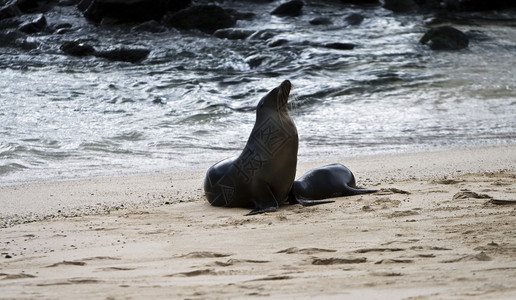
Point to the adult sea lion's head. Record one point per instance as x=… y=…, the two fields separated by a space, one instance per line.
x=276 y=99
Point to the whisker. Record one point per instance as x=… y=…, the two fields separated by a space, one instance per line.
x=293 y=102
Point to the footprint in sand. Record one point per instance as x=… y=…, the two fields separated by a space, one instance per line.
x=272 y=278
x=338 y=260
x=231 y=262
x=470 y=194
x=394 y=261
x=482 y=256
x=72 y=281
x=386 y=274
x=446 y=181
x=403 y=213
x=436 y=248
x=193 y=273
x=117 y=269
x=294 y=250
x=102 y=258
x=16 y=276
x=390 y=191
x=502 y=202
x=205 y=254
x=67 y=263
x=367 y=250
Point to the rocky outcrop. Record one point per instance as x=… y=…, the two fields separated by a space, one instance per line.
x=361 y=2
x=132 y=55
x=289 y=9
x=206 y=18
x=9 y=9
x=149 y=26
x=479 y=5
x=354 y=19
x=445 y=38
x=340 y=46
x=32 y=26
x=400 y=5
x=17 y=39
x=321 y=21
x=76 y=48
x=129 y=10
x=80 y=49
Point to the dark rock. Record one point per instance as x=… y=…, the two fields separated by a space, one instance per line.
x=354 y=19
x=17 y=39
x=67 y=2
x=340 y=46
x=207 y=18
x=255 y=61
x=289 y=9
x=28 y=5
x=124 y=54
x=129 y=10
x=321 y=21
x=10 y=23
x=361 y=2
x=400 y=5
x=62 y=25
x=233 y=33
x=445 y=38
x=77 y=48
x=10 y=38
x=9 y=10
x=35 y=6
x=84 y=4
x=479 y=5
x=150 y=26
x=33 y=26
x=240 y=15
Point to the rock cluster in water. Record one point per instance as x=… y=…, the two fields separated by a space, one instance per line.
x=445 y=38
x=21 y=18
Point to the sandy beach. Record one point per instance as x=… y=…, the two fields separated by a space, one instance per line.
x=442 y=226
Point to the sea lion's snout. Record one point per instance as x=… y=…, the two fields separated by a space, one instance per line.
x=284 y=91
x=286 y=86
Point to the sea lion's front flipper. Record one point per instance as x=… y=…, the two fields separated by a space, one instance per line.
x=292 y=199
x=265 y=202
x=257 y=211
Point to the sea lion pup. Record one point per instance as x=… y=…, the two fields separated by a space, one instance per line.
x=328 y=182
x=262 y=176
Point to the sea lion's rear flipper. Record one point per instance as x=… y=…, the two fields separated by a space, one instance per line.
x=265 y=202
x=292 y=199
x=350 y=191
x=314 y=202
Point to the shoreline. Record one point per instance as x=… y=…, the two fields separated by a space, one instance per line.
x=35 y=201
x=436 y=229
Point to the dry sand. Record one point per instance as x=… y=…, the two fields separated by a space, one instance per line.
x=443 y=226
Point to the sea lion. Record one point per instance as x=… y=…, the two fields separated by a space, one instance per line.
x=262 y=176
x=328 y=182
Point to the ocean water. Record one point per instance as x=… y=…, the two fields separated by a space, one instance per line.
x=191 y=103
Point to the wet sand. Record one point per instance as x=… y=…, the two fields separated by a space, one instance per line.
x=441 y=226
